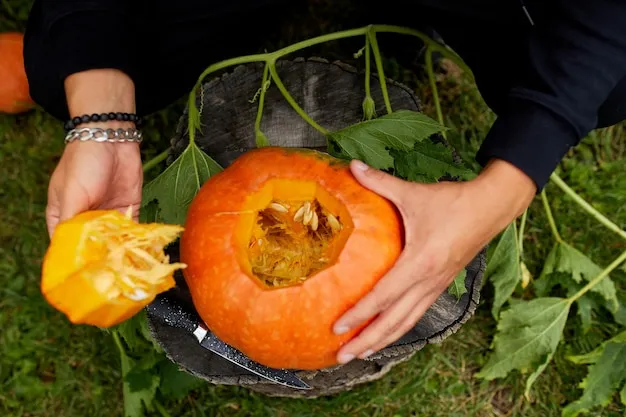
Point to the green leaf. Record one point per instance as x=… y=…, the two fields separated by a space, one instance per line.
x=566 y=259
x=504 y=268
x=370 y=141
x=457 y=288
x=176 y=383
x=605 y=377
x=594 y=355
x=135 y=401
x=179 y=183
x=527 y=336
x=428 y=162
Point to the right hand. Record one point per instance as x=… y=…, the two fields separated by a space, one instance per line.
x=96 y=175
x=93 y=175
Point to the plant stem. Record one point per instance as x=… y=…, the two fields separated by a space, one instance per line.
x=553 y=227
x=161 y=409
x=368 y=67
x=433 y=87
x=435 y=46
x=520 y=236
x=371 y=33
x=586 y=206
x=292 y=102
x=155 y=161
x=606 y=271
x=259 y=113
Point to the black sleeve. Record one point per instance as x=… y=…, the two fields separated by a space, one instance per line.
x=574 y=60
x=90 y=34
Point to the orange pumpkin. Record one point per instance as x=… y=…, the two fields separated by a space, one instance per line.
x=278 y=246
x=14 y=93
x=102 y=267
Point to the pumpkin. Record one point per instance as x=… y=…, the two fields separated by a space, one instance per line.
x=102 y=267
x=14 y=92
x=278 y=246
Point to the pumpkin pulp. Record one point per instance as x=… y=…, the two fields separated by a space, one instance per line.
x=296 y=230
x=102 y=267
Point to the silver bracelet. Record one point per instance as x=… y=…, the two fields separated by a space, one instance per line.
x=103 y=135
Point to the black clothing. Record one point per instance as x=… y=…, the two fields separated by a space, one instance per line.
x=550 y=78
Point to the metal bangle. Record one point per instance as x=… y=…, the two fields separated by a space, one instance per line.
x=97 y=134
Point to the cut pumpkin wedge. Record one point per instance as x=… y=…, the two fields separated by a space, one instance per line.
x=102 y=267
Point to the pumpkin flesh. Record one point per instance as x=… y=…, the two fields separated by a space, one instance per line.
x=101 y=267
x=285 y=321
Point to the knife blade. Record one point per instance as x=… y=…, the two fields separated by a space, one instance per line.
x=168 y=311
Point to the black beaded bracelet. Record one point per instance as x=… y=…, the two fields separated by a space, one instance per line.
x=103 y=117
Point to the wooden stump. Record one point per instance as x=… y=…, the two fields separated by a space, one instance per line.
x=331 y=93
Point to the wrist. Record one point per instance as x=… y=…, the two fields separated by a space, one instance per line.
x=504 y=189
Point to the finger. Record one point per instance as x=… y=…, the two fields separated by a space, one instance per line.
x=409 y=322
x=52 y=217
x=380 y=329
x=389 y=289
x=378 y=181
x=52 y=210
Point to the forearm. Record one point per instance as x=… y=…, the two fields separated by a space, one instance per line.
x=573 y=62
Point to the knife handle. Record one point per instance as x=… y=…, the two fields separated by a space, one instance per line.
x=166 y=309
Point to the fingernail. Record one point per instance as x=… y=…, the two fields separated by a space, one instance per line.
x=345 y=358
x=367 y=353
x=360 y=165
x=341 y=329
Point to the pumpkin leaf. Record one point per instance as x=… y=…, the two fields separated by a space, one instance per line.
x=174 y=189
x=606 y=374
x=528 y=334
x=140 y=399
x=565 y=260
x=504 y=268
x=370 y=141
x=457 y=288
x=593 y=356
x=427 y=162
x=176 y=383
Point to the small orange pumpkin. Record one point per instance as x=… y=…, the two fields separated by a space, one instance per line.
x=14 y=92
x=102 y=267
x=278 y=246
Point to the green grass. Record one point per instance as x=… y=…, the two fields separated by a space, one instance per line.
x=51 y=368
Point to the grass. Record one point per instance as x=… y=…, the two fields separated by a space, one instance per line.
x=51 y=368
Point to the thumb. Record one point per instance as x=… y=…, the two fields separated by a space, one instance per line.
x=74 y=200
x=380 y=182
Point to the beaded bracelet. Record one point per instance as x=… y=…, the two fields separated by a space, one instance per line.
x=103 y=117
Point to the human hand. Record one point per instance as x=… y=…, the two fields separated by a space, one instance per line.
x=94 y=175
x=446 y=224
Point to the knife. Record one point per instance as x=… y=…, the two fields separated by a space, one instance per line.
x=169 y=312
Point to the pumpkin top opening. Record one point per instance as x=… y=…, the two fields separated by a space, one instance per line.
x=298 y=229
x=125 y=258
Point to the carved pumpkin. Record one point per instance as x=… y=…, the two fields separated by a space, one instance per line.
x=102 y=267
x=278 y=246
x=14 y=93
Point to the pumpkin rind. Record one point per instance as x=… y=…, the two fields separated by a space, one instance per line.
x=14 y=91
x=288 y=327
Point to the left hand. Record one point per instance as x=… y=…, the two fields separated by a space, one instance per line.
x=446 y=224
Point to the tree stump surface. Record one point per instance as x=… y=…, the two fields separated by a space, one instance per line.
x=331 y=93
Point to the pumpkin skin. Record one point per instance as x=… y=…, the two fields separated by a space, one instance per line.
x=14 y=93
x=288 y=327
x=77 y=261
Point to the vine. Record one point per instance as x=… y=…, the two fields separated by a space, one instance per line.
x=529 y=331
